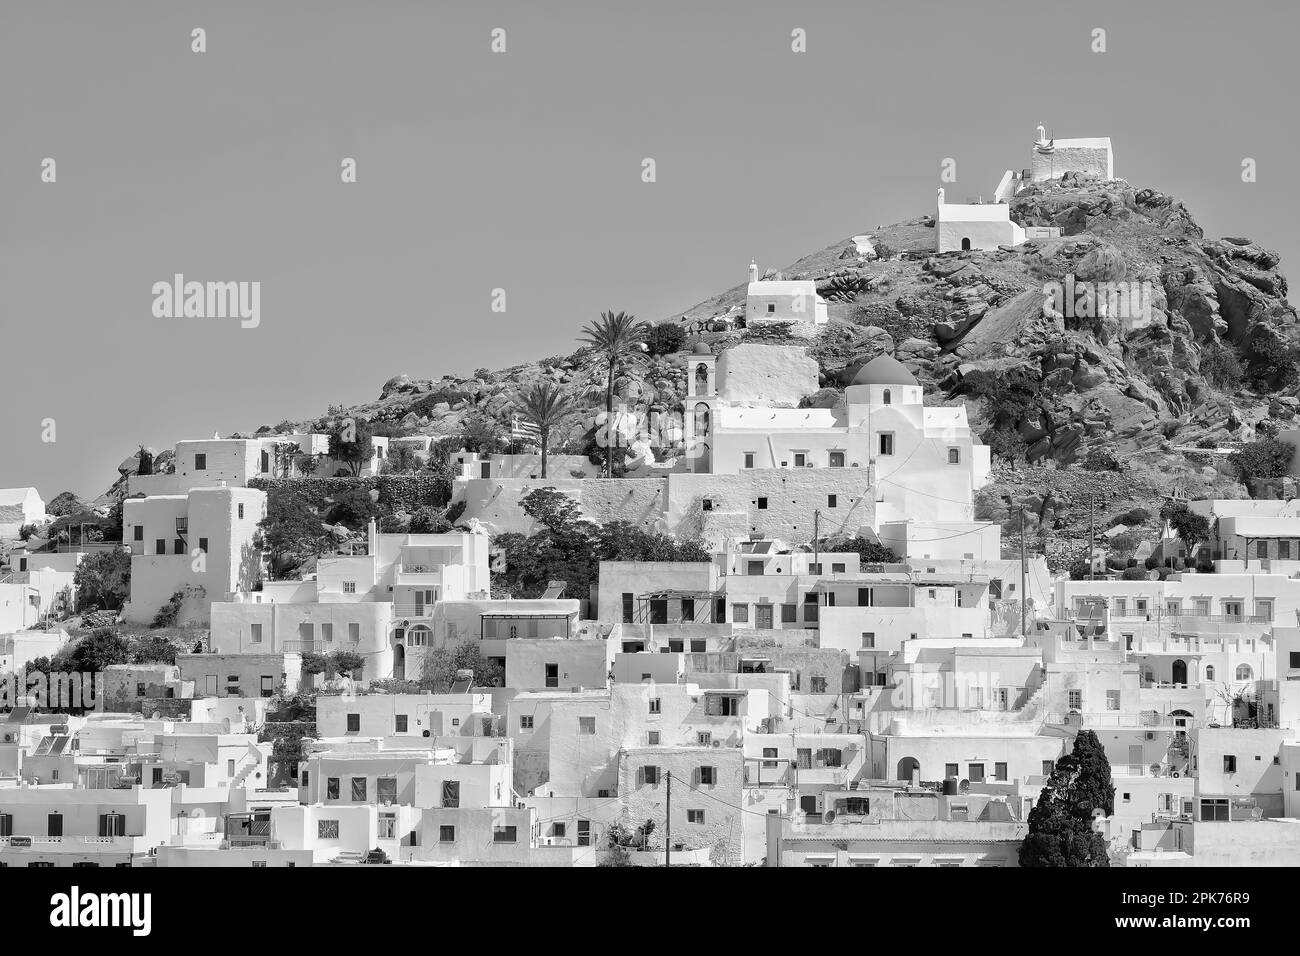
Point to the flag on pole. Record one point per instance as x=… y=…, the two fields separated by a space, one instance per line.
x=521 y=429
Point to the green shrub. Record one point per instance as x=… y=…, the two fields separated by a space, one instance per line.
x=1266 y=458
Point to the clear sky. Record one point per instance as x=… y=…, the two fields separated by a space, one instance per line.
x=522 y=171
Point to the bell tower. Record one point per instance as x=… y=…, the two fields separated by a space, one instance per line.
x=699 y=406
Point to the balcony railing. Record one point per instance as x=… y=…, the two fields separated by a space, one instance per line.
x=413 y=610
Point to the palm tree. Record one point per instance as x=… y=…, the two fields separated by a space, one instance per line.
x=545 y=404
x=615 y=340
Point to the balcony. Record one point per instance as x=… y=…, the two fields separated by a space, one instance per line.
x=317 y=647
x=422 y=575
x=1145 y=719
x=401 y=611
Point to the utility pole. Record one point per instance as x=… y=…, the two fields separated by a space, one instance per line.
x=1024 y=593
x=668 y=822
x=817 y=515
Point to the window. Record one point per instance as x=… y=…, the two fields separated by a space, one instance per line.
x=800 y=459
x=740 y=613
x=951 y=770
x=1047 y=767
x=54 y=825
x=160 y=546
x=817 y=684
x=886 y=443
x=832 y=501
x=650 y=775
x=138 y=532
x=584 y=833
x=1214 y=810
x=954 y=456
x=354 y=633
x=203 y=545
x=976 y=773
x=789 y=613
x=112 y=825
x=695 y=816
x=1284 y=550
x=628 y=598
x=327 y=829
x=7 y=821
x=1112 y=700
x=762 y=504
x=400 y=723
x=838 y=567
x=525 y=721
x=1229 y=763
x=327 y=632
x=349 y=587
x=708 y=776
x=749 y=459
x=359 y=788
x=704 y=738
x=1074 y=699
x=888 y=397
x=828 y=757
x=771 y=308
x=655 y=704
x=387 y=826
x=451 y=793
x=200 y=462
x=255 y=631
x=1261 y=549
x=1209 y=671
x=354 y=723
x=1294 y=658
x=586 y=725
x=1000 y=771
x=386 y=790
x=770 y=764
x=332 y=788
x=652 y=738
x=1243 y=672
x=722 y=705
x=241 y=510
x=446 y=834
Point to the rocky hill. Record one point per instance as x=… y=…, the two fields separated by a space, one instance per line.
x=1209 y=357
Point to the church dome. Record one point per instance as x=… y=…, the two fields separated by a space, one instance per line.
x=884 y=370
x=702 y=349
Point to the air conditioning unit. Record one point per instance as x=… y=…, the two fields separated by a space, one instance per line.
x=1151 y=735
x=717 y=743
x=828 y=816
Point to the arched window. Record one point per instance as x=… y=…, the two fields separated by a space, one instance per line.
x=887 y=396
x=701 y=419
x=701 y=378
x=1209 y=672
x=1243 y=672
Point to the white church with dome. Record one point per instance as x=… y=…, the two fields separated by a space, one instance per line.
x=923 y=461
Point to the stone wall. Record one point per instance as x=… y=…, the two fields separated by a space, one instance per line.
x=770 y=502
